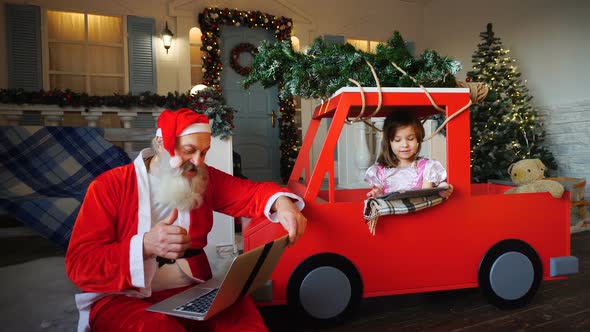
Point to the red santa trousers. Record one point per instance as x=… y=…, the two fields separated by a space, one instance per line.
x=124 y=313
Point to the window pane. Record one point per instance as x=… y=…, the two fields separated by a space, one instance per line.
x=373 y=46
x=106 y=86
x=67 y=57
x=196 y=55
x=65 y=26
x=105 y=29
x=196 y=75
x=295 y=43
x=360 y=45
x=105 y=60
x=194 y=36
x=63 y=82
x=71 y=60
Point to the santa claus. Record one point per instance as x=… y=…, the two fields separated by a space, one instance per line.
x=141 y=230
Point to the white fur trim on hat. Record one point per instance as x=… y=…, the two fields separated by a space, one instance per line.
x=194 y=128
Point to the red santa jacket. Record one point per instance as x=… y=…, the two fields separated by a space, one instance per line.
x=105 y=252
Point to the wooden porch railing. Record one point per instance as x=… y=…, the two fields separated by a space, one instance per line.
x=117 y=122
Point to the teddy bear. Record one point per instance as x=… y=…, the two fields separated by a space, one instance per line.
x=529 y=175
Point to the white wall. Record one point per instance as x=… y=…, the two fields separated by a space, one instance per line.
x=548 y=38
x=352 y=18
x=373 y=20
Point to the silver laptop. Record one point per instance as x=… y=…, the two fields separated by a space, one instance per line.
x=248 y=272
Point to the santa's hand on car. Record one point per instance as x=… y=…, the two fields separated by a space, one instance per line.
x=290 y=218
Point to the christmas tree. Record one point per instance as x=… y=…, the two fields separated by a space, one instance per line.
x=505 y=127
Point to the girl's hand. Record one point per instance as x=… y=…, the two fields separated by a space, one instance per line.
x=375 y=192
x=445 y=193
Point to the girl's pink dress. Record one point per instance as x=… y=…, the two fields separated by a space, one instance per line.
x=406 y=178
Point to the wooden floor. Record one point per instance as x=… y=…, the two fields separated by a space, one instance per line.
x=562 y=305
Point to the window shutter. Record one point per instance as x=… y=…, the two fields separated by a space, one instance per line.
x=143 y=120
x=411 y=46
x=23 y=40
x=331 y=39
x=142 y=62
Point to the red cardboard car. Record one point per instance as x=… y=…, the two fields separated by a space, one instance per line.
x=479 y=237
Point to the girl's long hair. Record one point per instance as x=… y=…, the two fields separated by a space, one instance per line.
x=395 y=121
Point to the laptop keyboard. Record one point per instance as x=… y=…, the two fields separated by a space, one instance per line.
x=199 y=305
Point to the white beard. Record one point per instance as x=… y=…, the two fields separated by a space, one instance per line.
x=176 y=191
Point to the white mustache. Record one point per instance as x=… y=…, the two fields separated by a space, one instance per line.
x=189 y=167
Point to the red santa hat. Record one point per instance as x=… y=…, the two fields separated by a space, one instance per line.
x=172 y=124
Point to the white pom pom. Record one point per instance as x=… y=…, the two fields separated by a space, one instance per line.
x=175 y=162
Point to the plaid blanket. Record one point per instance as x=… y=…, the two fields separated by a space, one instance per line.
x=376 y=207
x=45 y=172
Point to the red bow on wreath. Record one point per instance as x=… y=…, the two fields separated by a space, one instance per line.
x=235 y=57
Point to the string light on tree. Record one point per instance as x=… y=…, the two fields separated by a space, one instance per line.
x=505 y=118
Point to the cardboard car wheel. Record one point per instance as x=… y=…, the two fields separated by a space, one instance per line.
x=325 y=287
x=510 y=274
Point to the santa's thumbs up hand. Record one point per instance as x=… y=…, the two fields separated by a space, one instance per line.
x=171 y=218
x=165 y=239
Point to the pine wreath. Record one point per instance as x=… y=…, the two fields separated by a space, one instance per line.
x=235 y=57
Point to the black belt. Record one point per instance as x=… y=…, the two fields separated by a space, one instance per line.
x=188 y=253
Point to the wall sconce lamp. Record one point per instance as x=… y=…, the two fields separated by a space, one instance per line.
x=167 y=37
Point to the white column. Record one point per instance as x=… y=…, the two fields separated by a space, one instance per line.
x=183 y=26
x=378 y=123
x=92 y=118
x=363 y=158
x=53 y=118
x=221 y=239
x=127 y=120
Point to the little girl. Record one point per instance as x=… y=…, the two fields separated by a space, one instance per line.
x=398 y=166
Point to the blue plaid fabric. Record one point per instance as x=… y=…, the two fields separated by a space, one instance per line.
x=45 y=172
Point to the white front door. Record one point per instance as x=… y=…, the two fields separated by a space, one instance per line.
x=255 y=138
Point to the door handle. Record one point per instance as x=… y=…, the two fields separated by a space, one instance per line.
x=273 y=118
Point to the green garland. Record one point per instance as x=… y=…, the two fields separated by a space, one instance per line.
x=207 y=101
x=323 y=69
x=210 y=21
